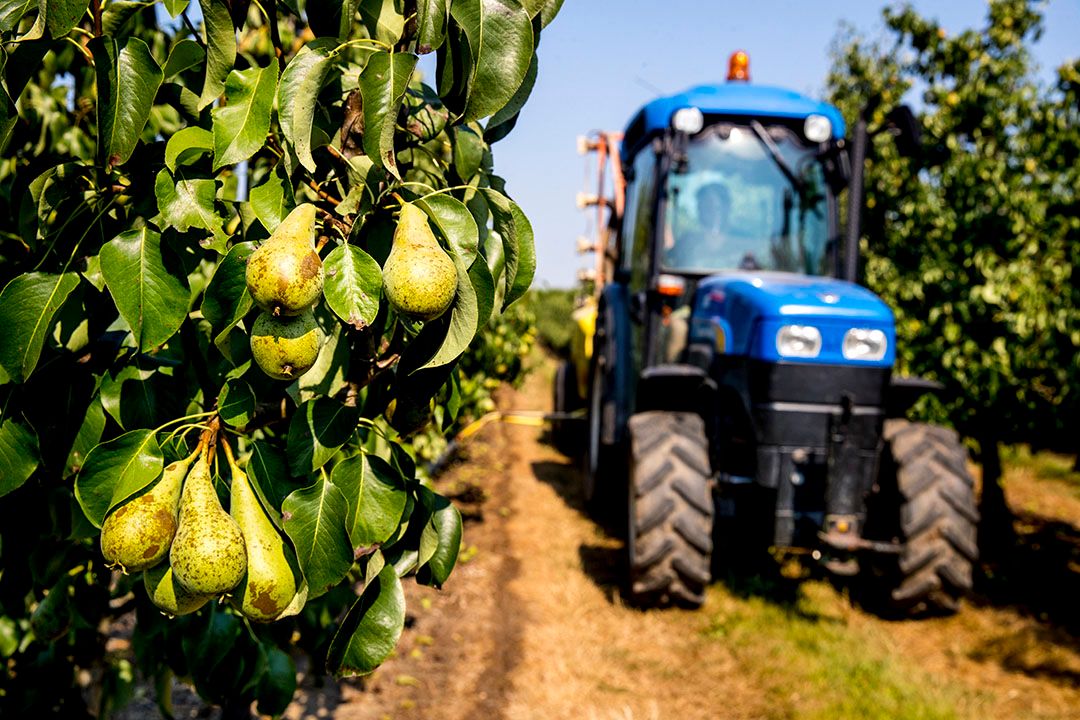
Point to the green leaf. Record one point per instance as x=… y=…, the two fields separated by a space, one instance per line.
x=270 y=474
x=9 y=117
x=546 y=9
x=93 y=425
x=518 y=245
x=175 y=7
x=241 y=125
x=187 y=201
x=128 y=78
x=130 y=396
x=116 y=470
x=376 y=496
x=431 y=17
x=484 y=285
x=220 y=37
x=383 y=83
x=226 y=300
x=236 y=403
x=184 y=55
x=298 y=92
x=12 y=12
x=188 y=145
x=116 y=15
x=454 y=221
x=370 y=630
x=62 y=15
x=150 y=292
x=502 y=122
x=19 y=455
x=383 y=20
x=468 y=152
x=273 y=200
x=353 y=285
x=445 y=525
x=27 y=306
x=463 y=314
x=314 y=519
x=317 y=429
x=500 y=39
x=278 y=685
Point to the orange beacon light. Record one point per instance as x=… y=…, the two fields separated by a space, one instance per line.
x=739 y=67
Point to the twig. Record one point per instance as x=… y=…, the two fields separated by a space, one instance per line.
x=194 y=32
x=322 y=193
x=275 y=35
x=95 y=6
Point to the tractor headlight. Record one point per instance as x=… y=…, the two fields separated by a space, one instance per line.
x=864 y=344
x=798 y=341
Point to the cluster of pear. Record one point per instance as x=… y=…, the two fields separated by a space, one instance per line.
x=209 y=552
x=285 y=278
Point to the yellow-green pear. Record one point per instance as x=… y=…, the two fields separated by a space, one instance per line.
x=419 y=278
x=208 y=555
x=168 y=595
x=285 y=347
x=270 y=584
x=137 y=535
x=285 y=275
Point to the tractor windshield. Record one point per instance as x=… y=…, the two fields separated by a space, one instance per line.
x=732 y=205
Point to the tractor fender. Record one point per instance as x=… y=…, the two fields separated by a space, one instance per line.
x=676 y=387
x=903 y=392
x=612 y=345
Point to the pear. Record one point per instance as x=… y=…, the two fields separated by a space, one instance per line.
x=270 y=584
x=419 y=278
x=285 y=275
x=285 y=347
x=170 y=596
x=208 y=555
x=137 y=535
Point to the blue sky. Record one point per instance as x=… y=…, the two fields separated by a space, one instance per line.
x=600 y=60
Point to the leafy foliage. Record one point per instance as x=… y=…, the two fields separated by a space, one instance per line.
x=145 y=160
x=974 y=242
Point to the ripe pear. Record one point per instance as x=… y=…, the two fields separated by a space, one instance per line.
x=137 y=535
x=285 y=275
x=170 y=596
x=419 y=278
x=285 y=347
x=270 y=583
x=208 y=555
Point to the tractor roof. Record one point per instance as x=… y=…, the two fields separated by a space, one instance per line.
x=733 y=98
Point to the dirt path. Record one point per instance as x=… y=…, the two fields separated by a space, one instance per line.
x=532 y=624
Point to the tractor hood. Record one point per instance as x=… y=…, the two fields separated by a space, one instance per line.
x=741 y=313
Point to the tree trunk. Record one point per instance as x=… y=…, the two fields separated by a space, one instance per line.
x=996 y=532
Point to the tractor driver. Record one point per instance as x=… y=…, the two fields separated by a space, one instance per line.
x=703 y=247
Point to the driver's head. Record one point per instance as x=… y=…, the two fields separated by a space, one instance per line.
x=713 y=202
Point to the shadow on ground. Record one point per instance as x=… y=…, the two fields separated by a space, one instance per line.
x=1038 y=576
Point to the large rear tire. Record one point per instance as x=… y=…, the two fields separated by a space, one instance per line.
x=669 y=537
x=928 y=498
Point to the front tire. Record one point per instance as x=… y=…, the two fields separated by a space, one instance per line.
x=928 y=498
x=669 y=537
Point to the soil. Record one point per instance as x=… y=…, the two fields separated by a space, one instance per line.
x=532 y=624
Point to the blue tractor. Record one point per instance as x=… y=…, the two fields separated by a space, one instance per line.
x=738 y=383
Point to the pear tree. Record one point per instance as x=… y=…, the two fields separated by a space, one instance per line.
x=246 y=248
